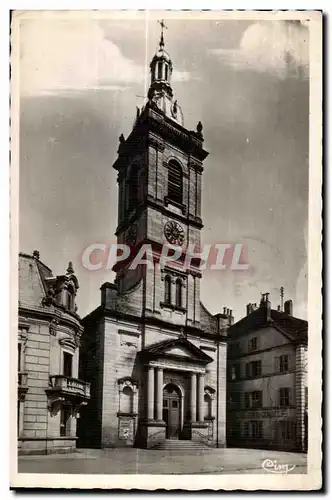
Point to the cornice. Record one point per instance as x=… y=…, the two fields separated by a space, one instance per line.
x=51 y=314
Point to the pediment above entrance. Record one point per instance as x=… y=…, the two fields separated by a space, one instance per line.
x=176 y=349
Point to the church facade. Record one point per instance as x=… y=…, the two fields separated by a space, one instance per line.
x=154 y=355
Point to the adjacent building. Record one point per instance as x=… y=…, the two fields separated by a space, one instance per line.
x=267 y=395
x=50 y=395
x=154 y=355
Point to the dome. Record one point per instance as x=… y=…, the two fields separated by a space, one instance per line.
x=161 y=54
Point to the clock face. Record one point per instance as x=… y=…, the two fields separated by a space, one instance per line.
x=174 y=233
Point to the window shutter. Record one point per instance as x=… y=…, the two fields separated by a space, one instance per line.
x=277 y=364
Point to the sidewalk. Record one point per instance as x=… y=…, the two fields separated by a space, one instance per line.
x=137 y=461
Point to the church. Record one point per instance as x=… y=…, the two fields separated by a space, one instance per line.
x=154 y=355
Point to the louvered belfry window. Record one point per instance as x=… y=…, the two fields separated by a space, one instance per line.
x=168 y=285
x=178 y=293
x=175 y=182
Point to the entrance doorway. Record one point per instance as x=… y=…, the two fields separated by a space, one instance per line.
x=171 y=411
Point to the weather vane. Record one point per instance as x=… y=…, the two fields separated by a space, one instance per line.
x=163 y=25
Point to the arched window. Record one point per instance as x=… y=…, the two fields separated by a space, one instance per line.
x=126 y=401
x=168 y=285
x=178 y=292
x=175 y=181
x=166 y=72
x=160 y=70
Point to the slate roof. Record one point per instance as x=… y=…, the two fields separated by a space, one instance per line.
x=295 y=329
x=208 y=321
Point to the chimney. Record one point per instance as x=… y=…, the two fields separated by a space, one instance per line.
x=225 y=318
x=249 y=308
x=265 y=306
x=289 y=307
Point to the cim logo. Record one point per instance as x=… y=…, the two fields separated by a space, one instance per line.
x=277 y=468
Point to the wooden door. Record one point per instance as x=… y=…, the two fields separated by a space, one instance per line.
x=171 y=411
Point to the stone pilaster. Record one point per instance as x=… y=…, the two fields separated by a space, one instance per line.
x=159 y=394
x=193 y=403
x=150 y=393
x=200 y=397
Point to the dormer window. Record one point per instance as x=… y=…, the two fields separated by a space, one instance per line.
x=175 y=182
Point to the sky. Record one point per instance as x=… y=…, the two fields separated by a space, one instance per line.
x=246 y=80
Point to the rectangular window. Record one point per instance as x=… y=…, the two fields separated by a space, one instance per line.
x=234 y=399
x=65 y=422
x=256 y=399
x=253 y=344
x=257 y=429
x=234 y=349
x=253 y=399
x=284 y=396
x=235 y=372
x=283 y=363
x=254 y=369
x=67 y=364
x=287 y=429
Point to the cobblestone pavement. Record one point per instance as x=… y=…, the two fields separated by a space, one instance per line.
x=137 y=461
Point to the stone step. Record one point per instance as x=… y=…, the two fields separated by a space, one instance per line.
x=180 y=444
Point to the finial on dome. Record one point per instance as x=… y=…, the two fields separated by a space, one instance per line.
x=70 y=269
x=163 y=25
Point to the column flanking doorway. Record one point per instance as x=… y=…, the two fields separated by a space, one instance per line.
x=172 y=411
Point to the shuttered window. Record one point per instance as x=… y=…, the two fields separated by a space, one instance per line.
x=284 y=396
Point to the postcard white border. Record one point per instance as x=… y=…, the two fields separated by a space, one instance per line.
x=309 y=481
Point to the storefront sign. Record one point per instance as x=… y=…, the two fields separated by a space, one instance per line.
x=268 y=414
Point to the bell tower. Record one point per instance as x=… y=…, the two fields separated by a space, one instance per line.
x=160 y=166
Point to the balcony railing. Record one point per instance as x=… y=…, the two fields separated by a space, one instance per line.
x=70 y=386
